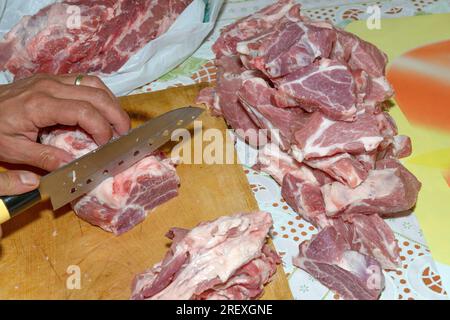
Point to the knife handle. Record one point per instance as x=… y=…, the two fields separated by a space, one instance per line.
x=11 y=206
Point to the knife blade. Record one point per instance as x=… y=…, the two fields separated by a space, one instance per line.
x=85 y=173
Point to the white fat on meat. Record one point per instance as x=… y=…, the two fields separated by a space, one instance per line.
x=120 y=202
x=379 y=184
x=211 y=254
x=75 y=142
x=322 y=137
x=311 y=145
x=342 y=167
x=273 y=161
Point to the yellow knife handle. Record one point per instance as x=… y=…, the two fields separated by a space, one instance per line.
x=11 y=206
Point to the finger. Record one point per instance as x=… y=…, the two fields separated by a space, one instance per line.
x=124 y=123
x=90 y=81
x=42 y=156
x=99 y=98
x=17 y=182
x=46 y=111
x=95 y=91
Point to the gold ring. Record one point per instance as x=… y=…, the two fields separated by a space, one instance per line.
x=78 y=80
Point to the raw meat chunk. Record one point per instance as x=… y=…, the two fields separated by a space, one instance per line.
x=227 y=258
x=110 y=33
x=208 y=97
x=303 y=195
x=389 y=188
x=281 y=123
x=230 y=76
x=122 y=201
x=322 y=137
x=329 y=258
x=320 y=93
x=325 y=85
x=342 y=167
x=254 y=24
x=288 y=47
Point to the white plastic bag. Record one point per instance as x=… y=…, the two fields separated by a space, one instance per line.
x=151 y=62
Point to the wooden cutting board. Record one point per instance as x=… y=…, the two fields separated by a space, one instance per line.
x=41 y=249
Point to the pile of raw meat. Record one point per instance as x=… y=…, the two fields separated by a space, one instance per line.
x=108 y=34
x=122 y=201
x=320 y=94
x=224 y=259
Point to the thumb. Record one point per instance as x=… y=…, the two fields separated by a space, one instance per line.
x=17 y=182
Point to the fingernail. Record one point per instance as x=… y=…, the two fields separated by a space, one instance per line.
x=29 y=179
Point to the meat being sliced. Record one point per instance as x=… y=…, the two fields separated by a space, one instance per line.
x=281 y=123
x=328 y=257
x=322 y=137
x=255 y=24
x=390 y=188
x=227 y=258
x=110 y=33
x=122 y=201
x=324 y=85
x=343 y=167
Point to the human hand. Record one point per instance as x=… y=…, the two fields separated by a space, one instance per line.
x=28 y=105
x=41 y=101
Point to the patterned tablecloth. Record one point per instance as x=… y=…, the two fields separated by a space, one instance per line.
x=417 y=278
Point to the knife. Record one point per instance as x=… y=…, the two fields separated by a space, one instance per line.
x=85 y=173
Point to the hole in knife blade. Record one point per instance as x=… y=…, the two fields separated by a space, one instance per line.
x=105 y=172
x=136 y=153
x=88 y=181
x=120 y=162
x=73 y=190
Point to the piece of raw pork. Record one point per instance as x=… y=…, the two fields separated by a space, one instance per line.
x=319 y=94
x=120 y=202
x=224 y=259
x=108 y=34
